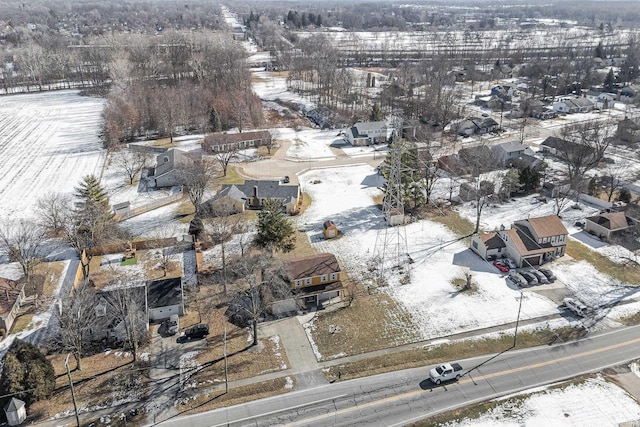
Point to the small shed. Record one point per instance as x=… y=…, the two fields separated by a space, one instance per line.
x=330 y=229
x=16 y=412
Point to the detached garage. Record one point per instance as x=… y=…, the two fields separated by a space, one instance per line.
x=165 y=298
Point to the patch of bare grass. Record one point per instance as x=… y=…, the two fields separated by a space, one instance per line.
x=442 y=353
x=632 y=319
x=623 y=272
x=232 y=177
x=52 y=273
x=21 y=323
x=381 y=323
x=105 y=380
x=453 y=221
x=212 y=400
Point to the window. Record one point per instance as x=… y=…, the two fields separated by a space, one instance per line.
x=334 y=276
x=307 y=281
x=323 y=278
x=475 y=244
x=298 y=283
x=499 y=250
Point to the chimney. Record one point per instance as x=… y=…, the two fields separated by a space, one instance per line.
x=255 y=191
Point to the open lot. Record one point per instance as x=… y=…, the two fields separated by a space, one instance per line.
x=48 y=142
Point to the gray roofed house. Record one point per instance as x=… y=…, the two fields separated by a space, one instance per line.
x=509 y=151
x=167 y=173
x=367 y=133
x=253 y=194
x=477 y=125
x=583 y=105
x=164 y=298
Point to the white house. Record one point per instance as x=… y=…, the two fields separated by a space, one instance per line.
x=164 y=298
x=605 y=225
x=367 y=133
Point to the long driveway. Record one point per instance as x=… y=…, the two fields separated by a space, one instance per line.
x=405 y=396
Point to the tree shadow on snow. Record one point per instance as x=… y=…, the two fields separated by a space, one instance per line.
x=473 y=262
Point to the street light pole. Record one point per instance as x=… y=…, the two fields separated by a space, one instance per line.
x=73 y=393
x=515 y=335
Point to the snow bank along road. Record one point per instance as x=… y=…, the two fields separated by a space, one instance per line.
x=48 y=142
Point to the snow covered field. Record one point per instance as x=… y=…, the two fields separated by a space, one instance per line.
x=271 y=87
x=48 y=142
x=309 y=144
x=594 y=402
x=344 y=195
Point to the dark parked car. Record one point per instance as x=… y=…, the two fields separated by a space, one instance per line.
x=530 y=278
x=200 y=330
x=549 y=274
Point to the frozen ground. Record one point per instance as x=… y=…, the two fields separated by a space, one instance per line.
x=344 y=195
x=161 y=222
x=310 y=144
x=595 y=402
x=271 y=87
x=48 y=142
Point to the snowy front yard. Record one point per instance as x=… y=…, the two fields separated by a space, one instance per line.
x=345 y=194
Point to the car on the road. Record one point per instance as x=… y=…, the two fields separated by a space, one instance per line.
x=445 y=372
x=550 y=276
x=576 y=306
x=171 y=325
x=500 y=266
x=530 y=278
x=198 y=331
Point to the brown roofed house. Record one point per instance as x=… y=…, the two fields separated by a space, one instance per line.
x=605 y=225
x=316 y=278
x=224 y=142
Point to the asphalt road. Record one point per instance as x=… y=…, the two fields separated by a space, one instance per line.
x=400 y=397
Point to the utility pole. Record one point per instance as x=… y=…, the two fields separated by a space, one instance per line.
x=73 y=393
x=226 y=371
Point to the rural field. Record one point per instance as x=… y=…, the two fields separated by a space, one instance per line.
x=48 y=142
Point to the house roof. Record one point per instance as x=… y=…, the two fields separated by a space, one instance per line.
x=554 y=142
x=547 y=226
x=14 y=405
x=611 y=220
x=582 y=102
x=313 y=265
x=174 y=158
x=232 y=192
x=524 y=243
x=364 y=127
x=319 y=289
x=512 y=146
x=233 y=138
x=268 y=189
x=492 y=240
x=162 y=293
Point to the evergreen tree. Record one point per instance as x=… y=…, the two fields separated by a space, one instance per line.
x=599 y=50
x=624 y=195
x=609 y=80
x=376 y=113
x=593 y=186
x=319 y=20
x=529 y=178
x=91 y=192
x=26 y=368
x=215 y=124
x=275 y=230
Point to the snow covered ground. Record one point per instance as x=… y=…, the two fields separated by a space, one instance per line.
x=310 y=144
x=48 y=142
x=594 y=402
x=344 y=195
x=271 y=87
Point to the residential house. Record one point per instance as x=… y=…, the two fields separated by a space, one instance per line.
x=605 y=225
x=506 y=152
x=315 y=278
x=488 y=245
x=528 y=242
x=367 y=133
x=229 y=200
x=111 y=325
x=254 y=193
x=225 y=142
x=629 y=130
x=164 y=298
x=477 y=125
x=167 y=170
x=330 y=229
x=503 y=91
x=583 y=105
x=565 y=149
x=565 y=107
x=11 y=298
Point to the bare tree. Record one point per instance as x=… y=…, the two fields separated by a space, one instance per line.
x=77 y=319
x=22 y=241
x=221 y=229
x=612 y=181
x=126 y=307
x=196 y=176
x=263 y=284
x=584 y=147
x=225 y=158
x=51 y=211
x=131 y=163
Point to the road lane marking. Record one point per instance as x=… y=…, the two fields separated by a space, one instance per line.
x=280 y=410
x=497 y=374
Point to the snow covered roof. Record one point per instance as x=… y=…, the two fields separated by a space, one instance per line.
x=364 y=127
x=512 y=146
x=230 y=191
x=268 y=189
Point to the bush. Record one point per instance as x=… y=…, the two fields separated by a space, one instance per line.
x=26 y=368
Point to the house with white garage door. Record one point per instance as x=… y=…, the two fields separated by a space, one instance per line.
x=164 y=298
x=528 y=242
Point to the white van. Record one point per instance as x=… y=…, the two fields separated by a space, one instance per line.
x=576 y=306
